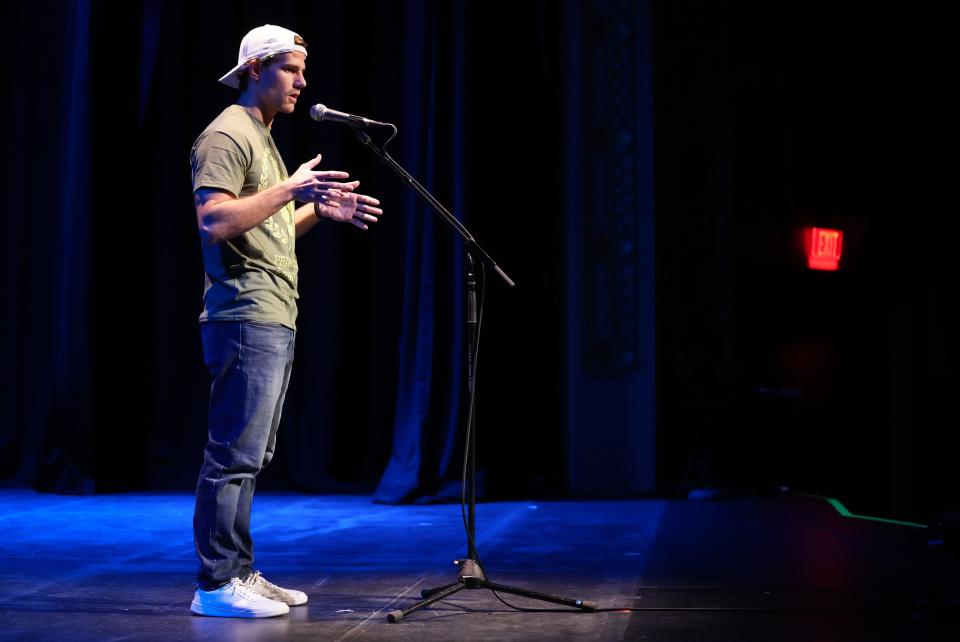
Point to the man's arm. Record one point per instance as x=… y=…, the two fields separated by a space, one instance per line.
x=222 y=216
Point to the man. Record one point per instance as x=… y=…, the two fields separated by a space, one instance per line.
x=248 y=224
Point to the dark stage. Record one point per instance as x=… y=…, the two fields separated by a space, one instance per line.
x=120 y=567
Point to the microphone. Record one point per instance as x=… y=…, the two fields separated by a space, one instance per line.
x=321 y=112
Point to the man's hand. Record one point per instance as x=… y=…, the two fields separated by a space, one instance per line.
x=348 y=206
x=309 y=186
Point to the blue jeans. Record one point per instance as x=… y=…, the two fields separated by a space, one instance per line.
x=250 y=363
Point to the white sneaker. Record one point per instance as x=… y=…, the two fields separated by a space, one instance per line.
x=269 y=590
x=235 y=600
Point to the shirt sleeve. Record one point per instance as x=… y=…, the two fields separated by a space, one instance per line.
x=218 y=162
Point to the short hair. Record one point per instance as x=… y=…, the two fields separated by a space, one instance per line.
x=244 y=78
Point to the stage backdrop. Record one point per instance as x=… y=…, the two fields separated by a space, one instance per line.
x=641 y=169
x=107 y=386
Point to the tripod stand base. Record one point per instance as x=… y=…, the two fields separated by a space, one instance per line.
x=471 y=576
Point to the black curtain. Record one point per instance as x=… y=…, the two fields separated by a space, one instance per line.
x=764 y=120
x=430 y=364
x=45 y=429
x=106 y=387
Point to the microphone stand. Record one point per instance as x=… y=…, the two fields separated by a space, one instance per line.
x=471 y=574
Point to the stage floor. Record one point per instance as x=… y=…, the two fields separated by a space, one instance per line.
x=121 y=567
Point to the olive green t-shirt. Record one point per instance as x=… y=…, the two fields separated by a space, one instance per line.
x=251 y=277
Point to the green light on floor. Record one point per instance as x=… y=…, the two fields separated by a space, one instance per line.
x=840 y=508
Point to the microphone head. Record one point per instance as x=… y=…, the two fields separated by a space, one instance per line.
x=318 y=111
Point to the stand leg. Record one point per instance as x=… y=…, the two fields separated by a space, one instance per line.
x=425 y=593
x=586 y=605
x=395 y=616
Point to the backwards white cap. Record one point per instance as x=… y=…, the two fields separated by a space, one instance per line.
x=259 y=43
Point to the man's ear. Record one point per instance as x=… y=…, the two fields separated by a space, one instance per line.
x=254 y=69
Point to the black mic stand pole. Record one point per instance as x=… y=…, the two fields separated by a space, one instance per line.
x=444 y=213
x=471 y=574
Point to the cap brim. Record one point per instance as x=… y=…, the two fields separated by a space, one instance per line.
x=232 y=77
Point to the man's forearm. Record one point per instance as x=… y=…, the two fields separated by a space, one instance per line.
x=305 y=218
x=224 y=219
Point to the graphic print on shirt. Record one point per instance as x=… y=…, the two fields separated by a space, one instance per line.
x=283 y=230
x=281 y=225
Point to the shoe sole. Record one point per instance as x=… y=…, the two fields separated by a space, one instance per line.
x=212 y=611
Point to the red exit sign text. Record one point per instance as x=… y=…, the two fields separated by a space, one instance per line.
x=824 y=247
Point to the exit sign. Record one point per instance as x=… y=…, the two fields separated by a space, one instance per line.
x=824 y=247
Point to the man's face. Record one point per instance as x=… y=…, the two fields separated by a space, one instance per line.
x=281 y=82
